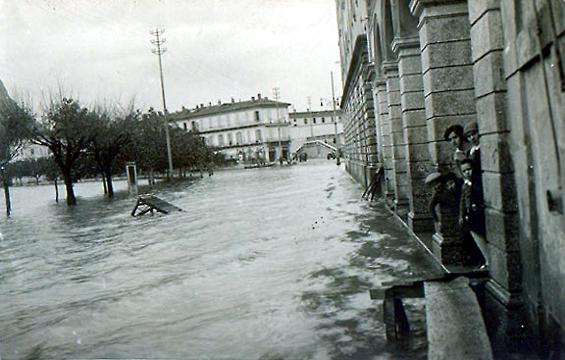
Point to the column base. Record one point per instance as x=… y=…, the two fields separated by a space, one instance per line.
x=448 y=250
x=420 y=223
x=507 y=322
x=401 y=208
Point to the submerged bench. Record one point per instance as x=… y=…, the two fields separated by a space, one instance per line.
x=455 y=326
x=151 y=203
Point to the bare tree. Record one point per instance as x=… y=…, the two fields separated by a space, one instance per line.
x=113 y=128
x=15 y=122
x=66 y=129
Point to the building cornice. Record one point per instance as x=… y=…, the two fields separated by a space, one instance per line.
x=240 y=127
x=302 y=114
x=226 y=108
x=357 y=60
x=400 y=43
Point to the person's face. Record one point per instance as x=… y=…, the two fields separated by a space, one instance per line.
x=473 y=137
x=454 y=139
x=467 y=170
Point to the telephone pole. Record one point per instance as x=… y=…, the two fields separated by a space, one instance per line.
x=337 y=160
x=309 y=99
x=276 y=94
x=158 y=41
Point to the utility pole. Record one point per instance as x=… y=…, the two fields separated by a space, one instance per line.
x=160 y=50
x=337 y=160
x=309 y=99
x=276 y=94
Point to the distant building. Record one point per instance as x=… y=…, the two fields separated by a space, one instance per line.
x=249 y=130
x=32 y=152
x=309 y=126
x=29 y=150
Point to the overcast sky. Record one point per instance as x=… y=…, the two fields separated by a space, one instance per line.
x=100 y=50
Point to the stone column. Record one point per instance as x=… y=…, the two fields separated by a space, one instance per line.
x=386 y=145
x=505 y=285
x=370 y=131
x=449 y=93
x=415 y=131
x=397 y=137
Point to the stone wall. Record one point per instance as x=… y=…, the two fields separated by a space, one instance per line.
x=360 y=148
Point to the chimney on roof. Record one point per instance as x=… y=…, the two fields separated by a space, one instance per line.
x=201 y=105
x=209 y=103
x=259 y=96
x=232 y=100
x=219 y=102
x=253 y=98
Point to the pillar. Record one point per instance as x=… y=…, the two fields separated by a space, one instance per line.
x=504 y=287
x=369 y=129
x=449 y=94
x=397 y=138
x=414 y=131
x=386 y=145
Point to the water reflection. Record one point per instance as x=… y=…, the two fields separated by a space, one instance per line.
x=262 y=264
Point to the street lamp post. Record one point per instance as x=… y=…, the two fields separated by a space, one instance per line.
x=337 y=160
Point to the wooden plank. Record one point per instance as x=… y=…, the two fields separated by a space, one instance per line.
x=401 y=292
x=455 y=325
x=396 y=322
x=159 y=204
x=153 y=203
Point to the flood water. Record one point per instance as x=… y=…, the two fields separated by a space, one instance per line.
x=271 y=263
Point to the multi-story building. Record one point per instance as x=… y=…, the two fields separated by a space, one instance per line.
x=255 y=129
x=32 y=151
x=28 y=151
x=414 y=68
x=356 y=101
x=315 y=125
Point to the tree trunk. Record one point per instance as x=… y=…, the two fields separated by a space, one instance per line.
x=56 y=182
x=104 y=183
x=7 y=197
x=71 y=199
x=110 y=185
x=151 y=178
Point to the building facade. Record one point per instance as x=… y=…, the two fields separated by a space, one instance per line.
x=320 y=125
x=253 y=130
x=32 y=151
x=360 y=136
x=414 y=67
